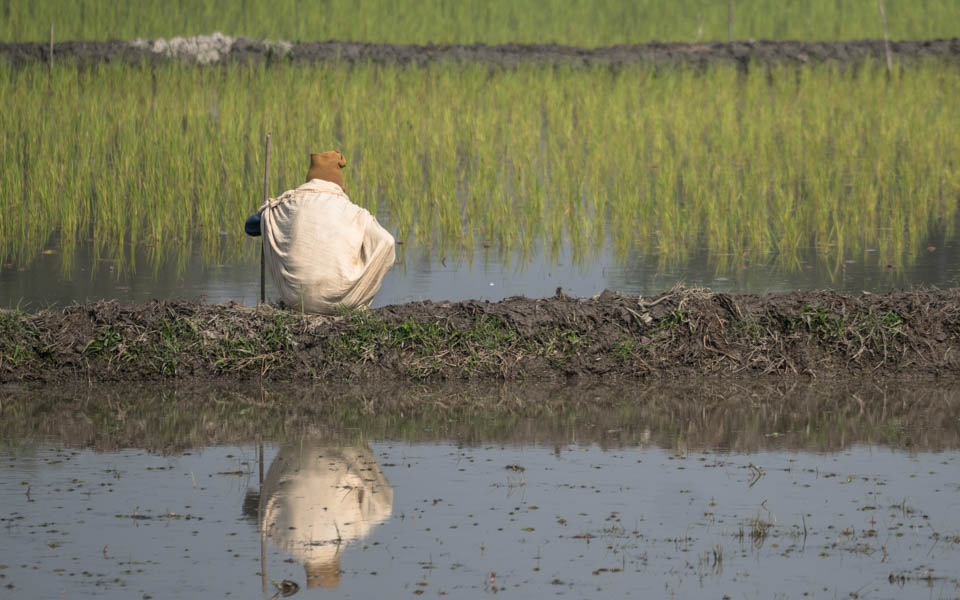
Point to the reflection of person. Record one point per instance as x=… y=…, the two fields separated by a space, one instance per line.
x=317 y=498
x=322 y=251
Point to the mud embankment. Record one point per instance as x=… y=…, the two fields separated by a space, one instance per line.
x=218 y=48
x=680 y=334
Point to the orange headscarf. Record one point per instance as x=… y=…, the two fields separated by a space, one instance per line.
x=327 y=166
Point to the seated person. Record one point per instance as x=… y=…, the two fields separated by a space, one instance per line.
x=321 y=250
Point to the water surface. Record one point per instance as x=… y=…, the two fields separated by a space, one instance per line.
x=373 y=519
x=488 y=276
x=756 y=492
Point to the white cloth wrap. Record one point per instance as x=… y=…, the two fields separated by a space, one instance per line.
x=316 y=498
x=323 y=251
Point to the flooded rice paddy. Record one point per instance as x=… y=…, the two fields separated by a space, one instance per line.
x=727 y=490
x=487 y=276
x=751 y=494
x=530 y=177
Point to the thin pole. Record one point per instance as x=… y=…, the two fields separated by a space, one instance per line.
x=266 y=196
x=51 y=46
x=729 y=20
x=260 y=460
x=263 y=545
x=886 y=36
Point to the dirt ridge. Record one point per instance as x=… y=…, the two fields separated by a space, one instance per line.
x=698 y=54
x=682 y=333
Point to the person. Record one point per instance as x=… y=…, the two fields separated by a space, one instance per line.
x=318 y=498
x=322 y=251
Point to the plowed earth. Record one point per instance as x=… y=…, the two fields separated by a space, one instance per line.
x=680 y=334
x=507 y=55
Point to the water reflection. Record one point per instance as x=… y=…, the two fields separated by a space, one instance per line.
x=872 y=521
x=486 y=277
x=687 y=490
x=743 y=416
x=317 y=498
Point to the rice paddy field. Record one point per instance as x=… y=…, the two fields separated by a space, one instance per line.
x=522 y=162
x=573 y=22
x=657 y=439
x=142 y=171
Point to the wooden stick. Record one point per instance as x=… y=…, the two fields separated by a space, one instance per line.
x=51 y=46
x=886 y=36
x=263 y=545
x=266 y=196
x=729 y=20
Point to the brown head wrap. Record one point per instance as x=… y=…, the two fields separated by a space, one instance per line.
x=327 y=166
x=324 y=574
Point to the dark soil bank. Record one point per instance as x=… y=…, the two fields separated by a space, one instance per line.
x=698 y=54
x=682 y=333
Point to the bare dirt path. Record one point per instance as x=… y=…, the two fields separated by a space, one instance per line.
x=218 y=48
x=680 y=334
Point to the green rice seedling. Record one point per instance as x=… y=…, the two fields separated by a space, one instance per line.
x=765 y=165
x=576 y=22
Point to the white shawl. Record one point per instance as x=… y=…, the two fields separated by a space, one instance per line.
x=323 y=251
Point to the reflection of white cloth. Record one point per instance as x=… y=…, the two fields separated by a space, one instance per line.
x=314 y=495
x=322 y=250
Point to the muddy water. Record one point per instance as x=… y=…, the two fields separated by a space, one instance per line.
x=551 y=507
x=384 y=519
x=488 y=276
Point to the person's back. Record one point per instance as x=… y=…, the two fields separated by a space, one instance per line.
x=323 y=251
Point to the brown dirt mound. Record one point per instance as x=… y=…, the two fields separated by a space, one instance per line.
x=682 y=333
x=508 y=55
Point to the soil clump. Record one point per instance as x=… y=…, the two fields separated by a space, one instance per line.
x=679 y=334
x=217 y=48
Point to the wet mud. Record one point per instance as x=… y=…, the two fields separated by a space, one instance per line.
x=245 y=50
x=679 y=334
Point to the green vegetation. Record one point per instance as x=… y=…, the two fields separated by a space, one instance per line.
x=686 y=331
x=19 y=339
x=485 y=344
x=825 y=323
x=452 y=158
x=574 y=22
x=161 y=348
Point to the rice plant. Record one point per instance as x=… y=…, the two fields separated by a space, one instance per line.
x=452 y=159
x=573 y=22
